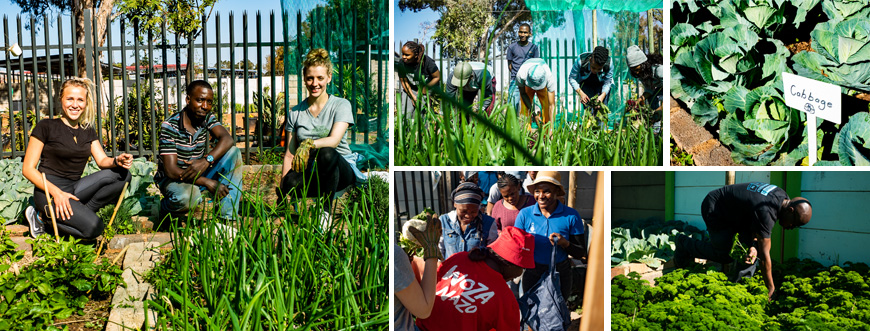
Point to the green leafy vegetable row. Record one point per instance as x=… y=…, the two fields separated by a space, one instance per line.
x=728 y=57
x=809 y=297
x=650 y=241
x=55 y=286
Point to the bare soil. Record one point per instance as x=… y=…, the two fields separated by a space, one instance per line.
x=800 y=46
x=96 y=315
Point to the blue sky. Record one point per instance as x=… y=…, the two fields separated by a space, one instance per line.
x=224 y=7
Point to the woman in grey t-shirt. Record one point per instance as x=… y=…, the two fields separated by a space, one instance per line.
x=316 y=143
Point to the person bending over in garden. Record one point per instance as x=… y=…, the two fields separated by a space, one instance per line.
x=592 y=75
x=416 y=297
x=416 y=67
x=472 y=289
x=534 y=78
x=517 y=54
x=316 y=137
x=552 y=223
x=750 y=211
x=185 y=170
x=649 y=71
x=61 y=147
x=466 y=227
x=467 y=77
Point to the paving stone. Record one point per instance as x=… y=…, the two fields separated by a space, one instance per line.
x=126 y=318
x=119 y=241
x=616 y=271
x=18 y=230
x=638 y=268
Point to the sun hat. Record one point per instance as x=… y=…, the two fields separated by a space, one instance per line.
x=461 y=74
x=467 y=193
x=634 y=56
x=538 y=73
x=515 y=246
x=552 y=177
x=469 y=174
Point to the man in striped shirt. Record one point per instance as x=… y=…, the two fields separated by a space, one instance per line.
x=183 y=160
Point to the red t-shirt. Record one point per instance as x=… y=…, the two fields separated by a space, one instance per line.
x=506 y=217
x=471 y=296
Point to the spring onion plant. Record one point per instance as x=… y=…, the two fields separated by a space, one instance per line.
x=294 y=271
x=458 y=135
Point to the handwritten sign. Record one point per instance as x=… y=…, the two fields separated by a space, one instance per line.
x=812 y=97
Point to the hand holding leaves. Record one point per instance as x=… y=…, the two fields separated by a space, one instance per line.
x=430 y=237
x=300 y=158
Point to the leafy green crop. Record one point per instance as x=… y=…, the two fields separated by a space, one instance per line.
x=647 y=241
x=15 y=190
x=809 y=297
x=54 y=286
x=137 y=198
x=293 y=270
x=729 y=55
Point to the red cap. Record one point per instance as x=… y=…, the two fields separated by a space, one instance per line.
x=516 y=246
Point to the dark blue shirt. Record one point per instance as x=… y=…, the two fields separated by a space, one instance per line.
x=517 y=55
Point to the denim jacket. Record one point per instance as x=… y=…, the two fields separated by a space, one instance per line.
x=454 y=241
x=581 y=72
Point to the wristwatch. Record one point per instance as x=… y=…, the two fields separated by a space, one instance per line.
x=209 y=158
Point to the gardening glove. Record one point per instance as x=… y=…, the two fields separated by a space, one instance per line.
x=300 y=159
x=430 y=237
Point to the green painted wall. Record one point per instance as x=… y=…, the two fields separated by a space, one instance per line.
x=637 y=195
x=690 y=188
x=840 y=228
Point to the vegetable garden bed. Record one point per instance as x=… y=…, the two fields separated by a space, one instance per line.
x=728 y=58
x=454 y=135
x=274 y=269
x=809 y=297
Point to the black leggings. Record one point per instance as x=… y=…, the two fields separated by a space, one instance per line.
x=94 y=191
x=333 y=174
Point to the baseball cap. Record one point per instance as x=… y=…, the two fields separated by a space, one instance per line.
x=461 y=74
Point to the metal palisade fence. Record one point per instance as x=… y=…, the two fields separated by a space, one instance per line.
x=143 y=77
x=560 y=55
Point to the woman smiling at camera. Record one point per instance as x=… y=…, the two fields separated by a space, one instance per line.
x=552 y=223
x=316 y=142
x=62 y=147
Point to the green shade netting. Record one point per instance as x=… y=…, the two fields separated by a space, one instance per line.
x=356 y=35
x=609 y=5
x=616 y=30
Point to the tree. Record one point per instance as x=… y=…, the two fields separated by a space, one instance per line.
x=643 y=37
x=241 y=65
x=105 y=10
x=462 y=29
x=504 y=31
x=182 y=17
x=279 y=62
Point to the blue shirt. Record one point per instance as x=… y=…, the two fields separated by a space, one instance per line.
x=564 y=220
x=582 y=70
x=480 y=233
x=517 y=55
x=486 y=179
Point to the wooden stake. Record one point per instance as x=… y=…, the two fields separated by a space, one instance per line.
x=114 y=213
x=50 y=208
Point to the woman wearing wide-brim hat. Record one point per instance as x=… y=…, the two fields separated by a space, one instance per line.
x=552 y=223
x=472 y=289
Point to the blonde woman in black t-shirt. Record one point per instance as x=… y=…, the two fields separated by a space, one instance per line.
x=62 y=147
